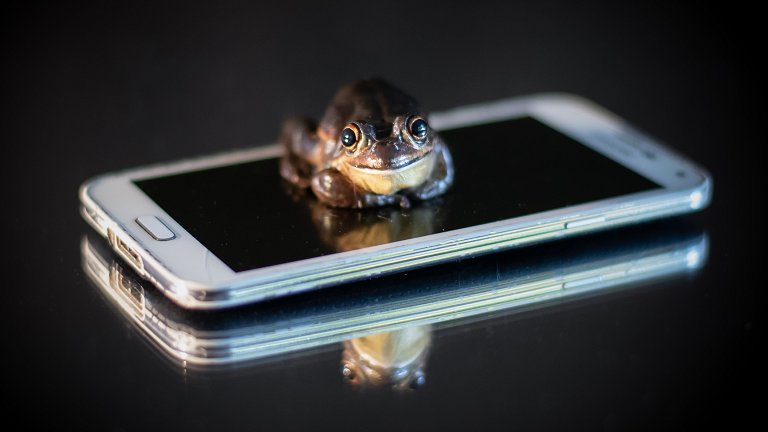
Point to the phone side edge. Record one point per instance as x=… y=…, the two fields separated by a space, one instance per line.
x=442 y=249
x=577 y=287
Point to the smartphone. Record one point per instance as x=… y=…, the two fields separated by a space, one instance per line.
x=225 y=230
x=414 y=304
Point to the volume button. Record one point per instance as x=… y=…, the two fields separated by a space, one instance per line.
x=585 y=222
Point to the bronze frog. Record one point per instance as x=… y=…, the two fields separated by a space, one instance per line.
x=373 y=147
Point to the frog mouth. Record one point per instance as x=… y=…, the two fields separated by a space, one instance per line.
x=389 y=181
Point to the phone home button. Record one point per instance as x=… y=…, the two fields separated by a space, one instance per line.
x=155 y=227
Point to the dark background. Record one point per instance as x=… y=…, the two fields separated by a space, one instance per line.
x=91 y=89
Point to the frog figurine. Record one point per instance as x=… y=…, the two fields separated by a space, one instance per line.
x=373 y=147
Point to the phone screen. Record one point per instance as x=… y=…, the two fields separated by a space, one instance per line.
x=248 y=217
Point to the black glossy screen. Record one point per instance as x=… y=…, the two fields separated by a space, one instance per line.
x=249 y=218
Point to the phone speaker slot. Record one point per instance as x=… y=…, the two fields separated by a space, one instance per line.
x=124 y=250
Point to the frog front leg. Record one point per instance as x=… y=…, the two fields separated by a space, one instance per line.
x=334 y=189
x=439 y=180
x=299 y=143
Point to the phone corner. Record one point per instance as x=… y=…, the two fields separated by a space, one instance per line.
x=190 y=293
x=564 y=105
x=701 y=194
x=85 y=190
x=562 y=98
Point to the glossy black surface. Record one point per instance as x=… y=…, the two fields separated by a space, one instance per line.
x=87 y=90
x=247 y=216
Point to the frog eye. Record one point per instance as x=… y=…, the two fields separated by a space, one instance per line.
x=418 y=127
x=351 y=136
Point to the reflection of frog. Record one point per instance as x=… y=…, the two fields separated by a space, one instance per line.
x=396 y=358
x=345 y=231
x=373 y=147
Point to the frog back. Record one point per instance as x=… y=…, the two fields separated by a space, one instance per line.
x=372 y=100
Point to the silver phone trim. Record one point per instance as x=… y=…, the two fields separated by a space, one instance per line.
x=185 y=345
x=216 y=286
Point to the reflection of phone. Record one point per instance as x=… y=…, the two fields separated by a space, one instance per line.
x=430 y=298
x=224 y=230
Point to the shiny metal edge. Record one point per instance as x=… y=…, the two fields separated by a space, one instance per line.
x=184 y=347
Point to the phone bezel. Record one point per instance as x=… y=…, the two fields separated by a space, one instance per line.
x=191 y=275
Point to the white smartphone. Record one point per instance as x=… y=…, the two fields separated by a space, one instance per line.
x=225 y=230
x=431 y=298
